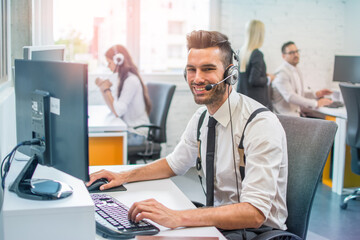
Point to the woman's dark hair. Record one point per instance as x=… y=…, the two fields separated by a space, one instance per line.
x=123 y=72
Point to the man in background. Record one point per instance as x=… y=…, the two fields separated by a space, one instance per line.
x=289 y=96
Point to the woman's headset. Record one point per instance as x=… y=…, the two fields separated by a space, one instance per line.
x=118 y=59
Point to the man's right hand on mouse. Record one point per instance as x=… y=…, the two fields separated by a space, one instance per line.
x=114 y=179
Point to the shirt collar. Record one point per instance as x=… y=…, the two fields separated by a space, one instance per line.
x=293 y=68
x=222 y=114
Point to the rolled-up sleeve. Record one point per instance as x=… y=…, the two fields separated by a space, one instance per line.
x=185 y=153
x=266 y=147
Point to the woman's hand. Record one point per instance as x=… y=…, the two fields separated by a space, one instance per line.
x=103 y=84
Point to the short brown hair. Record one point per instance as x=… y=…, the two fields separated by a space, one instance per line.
x=205 y=39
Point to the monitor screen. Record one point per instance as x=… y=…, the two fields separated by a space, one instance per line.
x=44 y=53
x=67 y=131
x=347 y=69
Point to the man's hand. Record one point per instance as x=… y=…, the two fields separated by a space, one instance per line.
x=155 y=211
x=324 y=102
x=115 y=179
x=323 y=92
x=271 y=76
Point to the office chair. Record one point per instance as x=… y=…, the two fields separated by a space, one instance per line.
x=309 y=141
x=351 y=96
x=1 y=194
x=161 y=95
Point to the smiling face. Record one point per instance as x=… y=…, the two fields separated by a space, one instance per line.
x=204 y=66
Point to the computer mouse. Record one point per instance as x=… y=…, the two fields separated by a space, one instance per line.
x=95 y=186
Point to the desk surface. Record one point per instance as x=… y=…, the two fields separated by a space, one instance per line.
x=336 y=112
x=67 y=218
x=164 y=191
x=102 y=120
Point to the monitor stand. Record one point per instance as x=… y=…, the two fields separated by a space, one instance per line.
x=38 y=189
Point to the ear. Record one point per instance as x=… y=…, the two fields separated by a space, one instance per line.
x=118 y=59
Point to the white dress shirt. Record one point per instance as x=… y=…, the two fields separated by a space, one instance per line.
x=265 y=148
x=289 y=95
x=130 y=106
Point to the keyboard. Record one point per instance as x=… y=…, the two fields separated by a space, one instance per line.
x=335 y=104
x=111 y=218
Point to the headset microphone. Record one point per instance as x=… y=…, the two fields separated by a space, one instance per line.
x=210 y=86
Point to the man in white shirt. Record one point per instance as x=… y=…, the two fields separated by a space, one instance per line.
x=258 y=200
x=289 y=96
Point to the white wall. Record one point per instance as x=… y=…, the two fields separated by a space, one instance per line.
x=320 y=28
x=352 y=27
x=7 y=121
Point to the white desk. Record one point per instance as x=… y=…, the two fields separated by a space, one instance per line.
x=68 y=218
x=339 y=146
x=164 y=191
x=103 y=124
x=102 y=120
x=73 y=217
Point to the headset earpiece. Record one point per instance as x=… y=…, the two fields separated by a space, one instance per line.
x=232 y=74
x=118 y=59
x=185 y=75
x=232 y=70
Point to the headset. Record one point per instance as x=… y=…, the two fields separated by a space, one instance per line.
x=230 y=76
x=118 y=59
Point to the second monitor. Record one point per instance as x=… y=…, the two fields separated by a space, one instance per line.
x=347 y=69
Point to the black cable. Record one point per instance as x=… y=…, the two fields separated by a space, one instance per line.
x=233 y=150
x=202 y=186
x=6 y=162
x=233 y=146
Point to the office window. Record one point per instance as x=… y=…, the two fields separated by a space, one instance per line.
x=175 y=28
x=175 y=51
x=3 y=41
x=153 y=31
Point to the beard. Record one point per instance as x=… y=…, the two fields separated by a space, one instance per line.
x=214 y=96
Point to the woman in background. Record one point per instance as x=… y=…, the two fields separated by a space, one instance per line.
x=130 y=100
x=254 y=81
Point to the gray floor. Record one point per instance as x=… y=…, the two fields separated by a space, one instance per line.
x=327 y=220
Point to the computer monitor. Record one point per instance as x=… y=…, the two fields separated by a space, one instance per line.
x=44 y=53
x=347 y=69
x=51 y=104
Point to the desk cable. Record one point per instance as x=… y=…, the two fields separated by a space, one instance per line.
x=6 y=162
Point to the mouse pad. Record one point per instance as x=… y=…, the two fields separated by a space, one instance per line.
x=114 y=189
